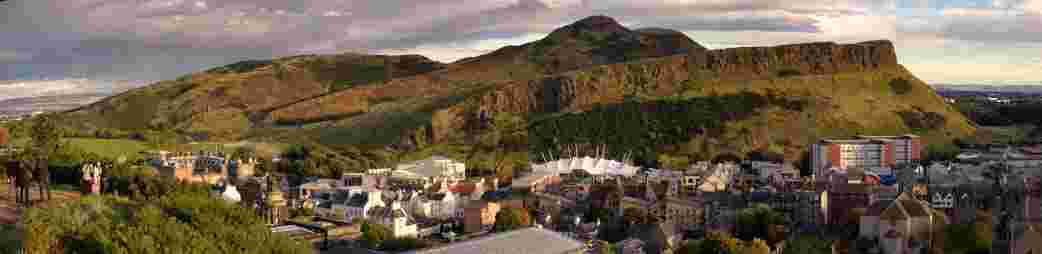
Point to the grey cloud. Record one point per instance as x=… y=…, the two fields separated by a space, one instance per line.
x=114 y=38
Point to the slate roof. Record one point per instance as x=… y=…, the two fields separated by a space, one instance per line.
x=387 y=212
x=656 y=237
x=532 y=240
x=340 y=197
x=877 y=208
x=358 y=200
x=436 y=196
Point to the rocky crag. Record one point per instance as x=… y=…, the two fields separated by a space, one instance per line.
x=723 y=101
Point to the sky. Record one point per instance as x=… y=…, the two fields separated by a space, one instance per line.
x=75 y=46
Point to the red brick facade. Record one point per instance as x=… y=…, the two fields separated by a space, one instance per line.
x=889 y=159
x=834 y=155
x=916 y=149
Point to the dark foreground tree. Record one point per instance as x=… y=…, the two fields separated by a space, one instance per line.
x=46 y=138
x=511 y=218
x=184 y=222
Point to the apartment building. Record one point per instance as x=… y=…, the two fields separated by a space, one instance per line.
x=864 y=152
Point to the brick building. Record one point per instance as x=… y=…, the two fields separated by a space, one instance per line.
x=864 y=152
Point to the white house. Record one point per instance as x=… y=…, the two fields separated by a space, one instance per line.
x=396 y=218
x=346 y=205
x=431 y=170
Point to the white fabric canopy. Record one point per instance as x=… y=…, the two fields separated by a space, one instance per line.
x=594 y=166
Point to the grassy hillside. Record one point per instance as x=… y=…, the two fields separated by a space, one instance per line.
x=711 y=117
x=652 y=92
x=110 y=148
x=224 y=102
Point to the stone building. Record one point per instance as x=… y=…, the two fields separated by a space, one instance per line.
x=479 y=216
x=264 y=195
x=208 y=167
x=896 y=223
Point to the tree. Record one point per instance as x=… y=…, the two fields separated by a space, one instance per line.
x=756 y=246
x=766 y=155
x=755 y=222
x=900 y=85
x=374 y=234
x=604 y=247
x=713 y=243
x=679 y=162
x=807 y=244
x=190 y=223
x=612 y=232
x=244 y=152
x=46 y=138
x=511 y=218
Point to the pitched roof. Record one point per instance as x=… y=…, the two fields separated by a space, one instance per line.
x=436 y=196
x=656 y=237
x=463 y=188
x=878 y=207
x=904 y=207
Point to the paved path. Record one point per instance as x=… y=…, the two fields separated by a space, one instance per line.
x=10 y=213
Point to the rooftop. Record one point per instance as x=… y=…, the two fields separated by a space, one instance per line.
x=531 y=240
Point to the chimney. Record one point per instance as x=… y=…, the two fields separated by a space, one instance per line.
x=388 y=68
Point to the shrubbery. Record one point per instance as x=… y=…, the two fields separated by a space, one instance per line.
x=639 y=127
x=919 y=120
x=784 y=73
x=900 y=85
x=182 y=222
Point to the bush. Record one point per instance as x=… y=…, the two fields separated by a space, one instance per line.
x=511 y=218
x=900 y=85
x=181 y=223
x=374 y=234
x=919 y=120
x=300 y=212
x=403 y=244
x=783 y=73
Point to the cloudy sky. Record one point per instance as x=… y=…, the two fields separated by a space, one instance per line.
x=102 y=45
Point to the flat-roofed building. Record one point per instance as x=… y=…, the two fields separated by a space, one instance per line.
x=864 y=152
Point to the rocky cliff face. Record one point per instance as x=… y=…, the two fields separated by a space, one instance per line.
x=592 y=41
x=786 y=95
x=580 y=90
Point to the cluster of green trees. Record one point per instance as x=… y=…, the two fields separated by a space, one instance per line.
x=640 y=127
x=183 y=221
x=759 y=222
x=318 y=160
x=717 y=243
x=968 y=238
x=10 y=239
x=511 y=218
x=379 y=237
x=144 y=188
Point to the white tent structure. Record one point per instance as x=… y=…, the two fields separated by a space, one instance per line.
x=231 y=194
x=595 y=166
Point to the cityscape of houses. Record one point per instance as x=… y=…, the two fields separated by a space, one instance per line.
x=875 y=182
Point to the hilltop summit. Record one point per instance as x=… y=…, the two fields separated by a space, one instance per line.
x=592 y=80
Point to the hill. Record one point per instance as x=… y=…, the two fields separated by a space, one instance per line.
x=653 y=92
x=221 y=102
